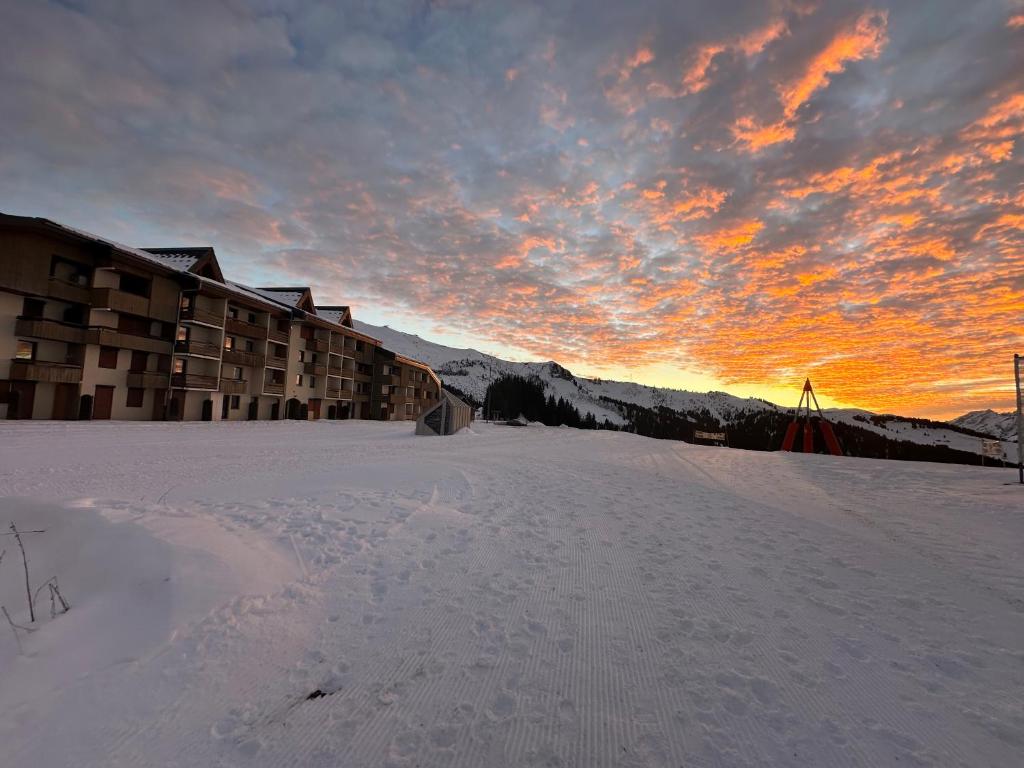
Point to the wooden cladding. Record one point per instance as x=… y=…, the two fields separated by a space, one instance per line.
x=315 y=369
x=316 y=345
x=238 y=357
x=119 y=301
x=67 y=291
x=273 y=388
x=236 y=327
x=49 y=329
x=193 y=381
x=194 y=314
x=38 y=370
x=277 y=362
x=198 y=348
x=234 y=386
x=278 y=336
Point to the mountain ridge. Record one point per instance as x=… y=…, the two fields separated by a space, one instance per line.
x=469 y=371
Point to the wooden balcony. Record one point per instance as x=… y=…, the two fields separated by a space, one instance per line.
x=234 y=386
x=53 y=330
x=281 y=337
x=65 y=291
x=111 y=337
x=314 y=369
x=119 y=301
x=280 y=363
x=316 y=345
x=197 y=348
x=238 y=357
x=41 y=370
x=333 y=393
x=200 y=316
x=271 y=388
x=334 y=370
x=193 y=381
x=238 y=327
x=148 y=380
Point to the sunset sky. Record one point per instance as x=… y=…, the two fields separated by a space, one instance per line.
x=701 y=194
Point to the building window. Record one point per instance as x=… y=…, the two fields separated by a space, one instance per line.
x=249 y=347
x=140 y=361
x=312 y=382
x=179 y=365
x=359 y=345
x=408 y=391
x=135 y=396
x=298 y=380
x=182 y=333
x=135 y=285
x=233 y=313
x=229 y=342
x=32 y=308
x=302 y=355
x=408 y=409
x=26 y=350
x=108 y=357
x=252 y=318
x=235 y=402
x=186 y=302
x=384 y=389
x=238 y=373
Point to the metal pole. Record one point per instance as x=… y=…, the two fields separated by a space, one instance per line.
x=1020 y=419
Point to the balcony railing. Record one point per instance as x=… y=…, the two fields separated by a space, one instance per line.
x=334 y=370
x=333 y=393
x=234 y=386
x=66 y=291
x=44 y=371
x=273 y=388
x=238 y=357
x=197 y=348
x=244 y=328
x=148 y=380
x=315 y=369
x=194 y=314
x=193 y=381
x=273 y=361
x=316 y=345
x=111 y=337
x=54 y=330
x=119 y=301
x=281 y=337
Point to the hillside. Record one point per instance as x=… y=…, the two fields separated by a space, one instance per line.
x=989 y=422
x=469 y=371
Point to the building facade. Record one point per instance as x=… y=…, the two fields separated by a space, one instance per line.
x=91 y=329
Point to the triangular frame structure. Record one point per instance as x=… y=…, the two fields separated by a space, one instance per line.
x=789 y=441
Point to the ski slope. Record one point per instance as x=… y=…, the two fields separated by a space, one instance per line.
x=504 y=597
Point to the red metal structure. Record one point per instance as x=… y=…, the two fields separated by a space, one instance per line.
x=789 y=441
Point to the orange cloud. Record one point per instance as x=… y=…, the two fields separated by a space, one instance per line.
x=865 y=40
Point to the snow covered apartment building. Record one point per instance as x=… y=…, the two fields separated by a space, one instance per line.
x=91 y=329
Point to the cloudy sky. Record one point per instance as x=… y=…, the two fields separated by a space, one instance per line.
x=704 y=194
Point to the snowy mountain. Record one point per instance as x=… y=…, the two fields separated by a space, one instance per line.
x=989 y=422
x=470 y=371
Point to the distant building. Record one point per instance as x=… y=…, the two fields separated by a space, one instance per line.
x=90 y=329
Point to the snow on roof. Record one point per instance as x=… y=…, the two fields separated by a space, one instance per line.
x=182 y=261
x=334 y=314
x=290 y=297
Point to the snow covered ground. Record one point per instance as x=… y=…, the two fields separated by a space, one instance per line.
x=504 y=597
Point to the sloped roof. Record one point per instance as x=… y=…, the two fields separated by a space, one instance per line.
x=299 y=297
x=339 y=314
x=199 y=260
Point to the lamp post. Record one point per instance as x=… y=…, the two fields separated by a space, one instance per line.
x=1020 y=418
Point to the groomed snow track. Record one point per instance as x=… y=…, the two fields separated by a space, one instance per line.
x=538 y=597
